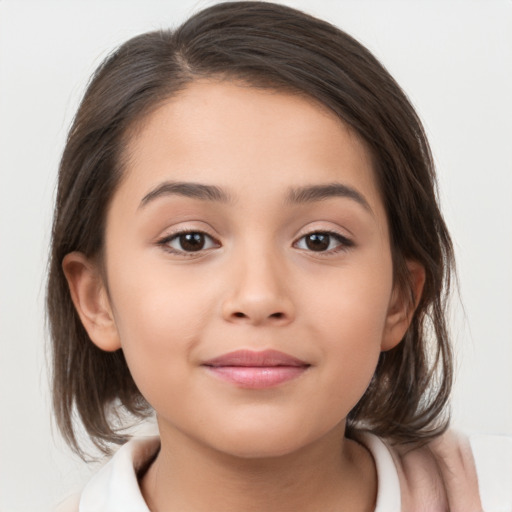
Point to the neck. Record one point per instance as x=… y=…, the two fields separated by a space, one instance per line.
x=334 y=473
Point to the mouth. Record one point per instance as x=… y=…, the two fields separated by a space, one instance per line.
x=256 y=369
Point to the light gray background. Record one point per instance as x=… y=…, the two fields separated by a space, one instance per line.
x=453 y=58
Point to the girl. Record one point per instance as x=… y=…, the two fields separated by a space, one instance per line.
x=247 y=242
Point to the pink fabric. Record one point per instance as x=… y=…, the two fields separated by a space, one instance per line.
x=438 y=477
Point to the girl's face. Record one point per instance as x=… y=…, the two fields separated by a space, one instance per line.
x=249 y=269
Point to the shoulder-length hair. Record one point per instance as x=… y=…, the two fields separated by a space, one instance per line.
x=272 y=46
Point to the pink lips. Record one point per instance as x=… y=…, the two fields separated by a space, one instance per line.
x=256 y=370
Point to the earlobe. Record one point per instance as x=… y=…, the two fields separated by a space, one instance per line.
x=402 y=307
x=91 y=301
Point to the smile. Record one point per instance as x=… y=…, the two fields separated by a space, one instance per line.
x=256 y=370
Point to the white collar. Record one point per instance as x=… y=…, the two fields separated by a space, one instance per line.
x=388 y=483
x=115 y=487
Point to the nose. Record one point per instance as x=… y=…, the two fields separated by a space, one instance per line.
x=258 y=293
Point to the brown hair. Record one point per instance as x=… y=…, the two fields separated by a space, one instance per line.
x=264 y=45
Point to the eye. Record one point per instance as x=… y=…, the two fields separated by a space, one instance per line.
x=323 y=241
x=188 y=242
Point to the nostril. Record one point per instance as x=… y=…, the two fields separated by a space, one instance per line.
x=239 y=314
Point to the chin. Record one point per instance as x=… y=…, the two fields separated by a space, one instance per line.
x=267 y=441
x=258 y=448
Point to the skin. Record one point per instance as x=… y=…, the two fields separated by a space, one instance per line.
x=255 y=285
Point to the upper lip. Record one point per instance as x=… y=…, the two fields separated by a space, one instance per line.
x=252 y=358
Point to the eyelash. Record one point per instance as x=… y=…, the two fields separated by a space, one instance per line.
x=165 y=241
x=344 y=243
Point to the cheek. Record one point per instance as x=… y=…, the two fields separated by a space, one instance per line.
x=159 y=321
x=351 y=319
x=353 y=304
x=158 y=301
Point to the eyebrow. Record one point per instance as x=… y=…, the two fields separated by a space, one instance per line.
x=314 y=193
x=193 y=190
x=306 y=194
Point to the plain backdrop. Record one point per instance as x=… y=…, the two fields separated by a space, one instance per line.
x=454 y=60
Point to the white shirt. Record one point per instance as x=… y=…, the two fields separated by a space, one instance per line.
x=470 y=475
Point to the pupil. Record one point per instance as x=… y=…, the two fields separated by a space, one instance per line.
x=317 y=241
x=192 y=241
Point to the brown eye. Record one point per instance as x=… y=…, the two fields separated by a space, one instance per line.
x=317 y=241
x=322 y=241
x=190 y=241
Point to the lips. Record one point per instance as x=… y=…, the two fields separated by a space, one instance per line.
x=256 y=370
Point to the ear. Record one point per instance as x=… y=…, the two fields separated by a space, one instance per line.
x=401 y=310
x=91 y=300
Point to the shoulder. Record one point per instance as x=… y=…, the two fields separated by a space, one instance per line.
x=456 y=472
x=115 y=486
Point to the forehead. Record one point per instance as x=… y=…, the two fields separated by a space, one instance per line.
x=243 y=139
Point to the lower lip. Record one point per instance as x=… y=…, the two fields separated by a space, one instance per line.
x=257 y=377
